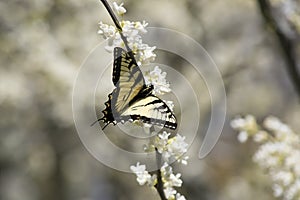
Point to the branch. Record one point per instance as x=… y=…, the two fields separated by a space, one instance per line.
x=287 y=43
x=117 y=24
x=159 y=185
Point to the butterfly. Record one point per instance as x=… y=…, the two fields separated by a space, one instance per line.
x=132 y=99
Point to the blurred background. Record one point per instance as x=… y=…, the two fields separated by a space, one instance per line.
x=43 y=44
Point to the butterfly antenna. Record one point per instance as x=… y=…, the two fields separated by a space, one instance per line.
x=96 y=121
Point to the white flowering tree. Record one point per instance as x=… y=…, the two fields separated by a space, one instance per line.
x=278 y=152
x=279 y=146
x=127 y=34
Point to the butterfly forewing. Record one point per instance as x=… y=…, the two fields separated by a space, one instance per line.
x=128 y=79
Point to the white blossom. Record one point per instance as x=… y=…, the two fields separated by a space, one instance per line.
x=174 y=180
x=293 y=192
x=282 y=131
x=108 y=31
x=283 y=177
x=132 y=31
x=141 y=26
x=170 y=180
x=147 y=55
x=260 y=136
x=243 y=136
x=270 y=154
x=237 y=123
x=180 y=196
x=292 y=162
x=177 y=146
x=170 y=192
x=142 y=175
x=162 y=141
x=278 y=153
x=272 y=123
x=277 y=190
x=244 y=124
x=119 y=9
x=152 y=181
x=169 y=148
x=157 y=78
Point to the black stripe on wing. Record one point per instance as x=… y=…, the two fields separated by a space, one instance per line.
x=125 y=68
x=107 y=114
x=151 y=121
x=128 y=79
x=151 y=110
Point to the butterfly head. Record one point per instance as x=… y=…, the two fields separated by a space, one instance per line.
x=147 y=90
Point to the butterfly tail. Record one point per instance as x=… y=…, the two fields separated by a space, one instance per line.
x=107 y=114
x=106 y=122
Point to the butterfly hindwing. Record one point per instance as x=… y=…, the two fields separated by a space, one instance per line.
x=151 y=110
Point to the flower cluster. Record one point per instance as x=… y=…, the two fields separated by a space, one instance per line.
x=142 y=175
x=158 y=79
x=119 y=9
x=170 y=181
x=132 y=31
x=170 y=149
x=278 y=153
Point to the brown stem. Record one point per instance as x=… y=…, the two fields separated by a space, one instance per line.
x=117 y=24
x=159 y=185
x=288 y=44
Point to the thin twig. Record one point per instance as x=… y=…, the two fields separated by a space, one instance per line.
x=287 y=43
x=112 y=15
x=117 y=24
x=159 y=185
